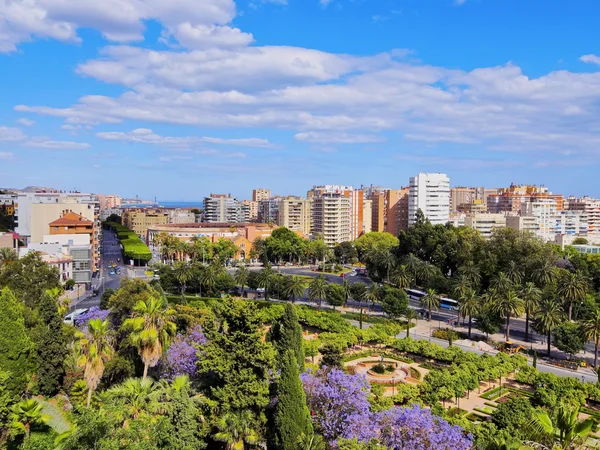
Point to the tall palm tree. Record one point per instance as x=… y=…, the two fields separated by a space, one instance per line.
x=7 y=257
x=264 y=279
x=236 y=430
x=471 y=271
x=591 y=330
x=183 y=274
x=572 y=287
x=413 y=263
x=410 y=315
x=544 y=273
x=507 y=305
x=209 y=277
x=373 y=294
x=430 y=301
x=136 y=395
x=531 y=296
x=96 y=348
x=294 y=287
x=241 y=277
x=501 y=283
x=563 y=426
x=27 y=414
x=548 y=316
x=386 y=260
x=426 y=271
x=462 y=284
x=347 y=292
x=150 y=329
x=469 y=305
x=401 y=277
x=317 y=289
x=514 y=273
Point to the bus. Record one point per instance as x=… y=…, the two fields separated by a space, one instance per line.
x=448 y=303
x=415 y=294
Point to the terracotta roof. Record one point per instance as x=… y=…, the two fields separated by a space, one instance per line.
x=71 y=219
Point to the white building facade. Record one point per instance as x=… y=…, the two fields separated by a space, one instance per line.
x=429 y=192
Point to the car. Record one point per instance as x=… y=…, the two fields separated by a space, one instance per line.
x=70 y=318
x=112 y=272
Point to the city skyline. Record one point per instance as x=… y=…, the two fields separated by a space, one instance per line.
x=181 y=99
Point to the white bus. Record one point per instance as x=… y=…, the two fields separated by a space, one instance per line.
x=445 y=302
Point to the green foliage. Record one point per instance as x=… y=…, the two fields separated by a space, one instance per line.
x=133 y=247
x=568 y=337
x=130 y=292
x=332 y=355
x=394 y=302
x=336 y=296
x=286 y=335
x=374 y=241
x=15 y=346
x=292 y=418
x=446 y=334
x=51 y=347
x=512 y=414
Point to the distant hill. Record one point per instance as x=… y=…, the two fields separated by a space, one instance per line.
x=31 y=189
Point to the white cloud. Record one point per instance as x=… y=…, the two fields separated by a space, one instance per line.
x=147 y=136
x=337 y=138
x=11 y=134
x=17 y=136
x=26 y=122
x=591 y=59
x=324 y=3
x=6 y=156
x=210 y=36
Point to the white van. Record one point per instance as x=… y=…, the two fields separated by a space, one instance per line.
x=70 y=318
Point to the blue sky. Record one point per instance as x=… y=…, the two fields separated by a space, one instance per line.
x=180 y=98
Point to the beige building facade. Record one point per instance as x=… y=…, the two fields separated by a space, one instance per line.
x=294 y=213
x=139 y=220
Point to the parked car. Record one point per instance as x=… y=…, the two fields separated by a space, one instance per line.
x=70 y=318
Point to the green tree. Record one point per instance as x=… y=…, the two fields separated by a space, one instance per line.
x=591 y=331
x=430 y=301
x=359 y=293
x=15 y=345
x=374 y=240
x=264 y=279
x=286 y=335
x=241 y=277
x=292 y=418
x=51 y=346
x=27 y=415
x=394 y=302
x=410 y=315
x=311 y=348
x=150 y=329
x=236 y=430
x=336 y=296
x=508 y=304
x=183 y=274
x=294 y=287
x=531 y=296
x=347 y=291
x=96 y=348
x=129 y=294
x=568 y=338
x=564 y=426
x=134 y=397
x=572 y=287
x=513 y=414
x=401 y=277
x=548 y=316
x=317 y=289
x=501 y=283
x=345 y=253
x=331 y=355
x=106 y=295
x=469 y=306
x=488 y=321
x=7 y=257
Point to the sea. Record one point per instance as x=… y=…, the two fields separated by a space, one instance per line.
x=187 y=205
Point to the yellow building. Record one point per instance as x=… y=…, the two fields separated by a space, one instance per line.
x=294 y=213
x=139 y=220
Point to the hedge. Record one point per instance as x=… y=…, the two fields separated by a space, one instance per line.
x=133 y=247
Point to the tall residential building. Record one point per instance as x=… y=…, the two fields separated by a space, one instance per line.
x=485 y=223
x=180 y=216
x=378 y=211
x=261 y=194
x=429 y=192
x=109 y=201
x=268 y=210
x=397 y=210
x=138 y=220
x=589 y=206
x=367 y=216
x=331 y=216
x=512 y=198
x=357 y=219
x=465 y=195
x=252 y=207
x=475 y=207
x=294 y=213
x=221 y=208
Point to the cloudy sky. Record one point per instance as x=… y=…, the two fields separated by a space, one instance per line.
x=180 y=98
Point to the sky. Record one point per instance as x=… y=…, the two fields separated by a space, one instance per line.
x=176 y=99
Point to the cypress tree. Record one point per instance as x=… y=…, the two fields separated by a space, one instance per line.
x=51 y=347
x=292 y=418
x=286 y=334
x=15 y=346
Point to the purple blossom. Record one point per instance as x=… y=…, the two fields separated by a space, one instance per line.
x=94 y=312
x=182 y=355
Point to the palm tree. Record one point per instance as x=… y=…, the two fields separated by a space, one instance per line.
x=513 y=273
x=150 y=329
x=241 y=277
x=386 y=260
x=96 y=348
x=7 y=257
x=564 y=426
x=401 y=277
x=507 y=305
x=209 y=277
x=294 y=287
x=410 y=315
x=572 y=287
x=471 y=271
x=501 y=283
x=469 y=306
x=27 y=414
x=264 y=279
x=462 y=284
x=412 y=263
x=548 y=316
x=426 y=272
x=544 y=273
x=430 y=301
x=531 y=296
x=373 y=294
x=136 y=395
x=236 y=430
x=317 y=289
x=183 y=274
x=591 y=330
x=346 y=287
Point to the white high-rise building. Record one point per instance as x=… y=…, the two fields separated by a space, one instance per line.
x=429 y=192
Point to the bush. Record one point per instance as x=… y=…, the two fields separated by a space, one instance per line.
x=133 y=247
x=446 y=334
x=379 y=368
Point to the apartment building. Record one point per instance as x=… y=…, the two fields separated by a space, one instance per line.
x=9 y=240
x=589 y=206
x=465 y=195
x=251 y=207
x=485 y=223
x=222 y=208
x=36 y=211
x=109 y=201
x=260 y=194
x=331 y=217
x=430 y=193
x=475 y=207
x=522 y=223
x=378 y=211
x=367 y=216
x=294 y=213
x=138 y=220
x=268 y=210
x=396 y=210
x=512 y=198
x=178 y=216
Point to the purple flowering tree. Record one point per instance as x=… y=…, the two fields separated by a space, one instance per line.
x=340 y=409
x=336 y=400
x=94 y=312
x=182 y=355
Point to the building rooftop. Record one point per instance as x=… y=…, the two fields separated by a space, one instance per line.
x=71 y=219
